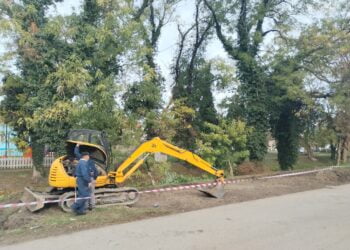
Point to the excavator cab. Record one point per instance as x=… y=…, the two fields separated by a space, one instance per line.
x=92 y=141
x=90 y=136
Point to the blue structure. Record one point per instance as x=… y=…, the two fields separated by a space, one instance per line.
x=7 y=147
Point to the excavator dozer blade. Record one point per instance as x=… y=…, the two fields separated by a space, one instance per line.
x=36 y=200
x=217 y=192
x=30 y=196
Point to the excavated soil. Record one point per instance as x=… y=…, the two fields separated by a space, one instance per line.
x=181 y=201
x=19 y=224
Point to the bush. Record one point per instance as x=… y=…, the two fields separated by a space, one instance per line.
x=224 y=145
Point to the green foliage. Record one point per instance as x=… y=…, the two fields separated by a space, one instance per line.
x=329 y=64
x=174 y=125
x=225 y=144
x=185 y=133
x=287 y=133
x=145 y=96
x=142 y=97
x=70 y=72
x=36 y=102
x=288 y=105
x=161 y=125
x=193 y=89
x=67 y=70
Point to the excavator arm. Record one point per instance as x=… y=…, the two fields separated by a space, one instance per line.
x=156 y=145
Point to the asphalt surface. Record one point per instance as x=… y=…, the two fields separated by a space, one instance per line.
x=318 y=219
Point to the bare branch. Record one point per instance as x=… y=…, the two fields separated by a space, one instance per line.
x=273 y=30
x=183 y=36
x=141 y=10
x=200 y=36
x=258 y=34
x=231 y=50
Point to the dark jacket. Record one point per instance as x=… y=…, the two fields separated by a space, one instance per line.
x=83 y=172
x=91 y=164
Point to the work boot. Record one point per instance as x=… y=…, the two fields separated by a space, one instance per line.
x=80 y=213
x=73 y=208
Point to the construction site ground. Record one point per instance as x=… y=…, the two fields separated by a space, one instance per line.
x=18 y=225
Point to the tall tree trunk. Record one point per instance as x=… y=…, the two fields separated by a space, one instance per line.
x=345 y=150
x=340 y=149
x=309 y=151
x=38 y=160
x=333 y=151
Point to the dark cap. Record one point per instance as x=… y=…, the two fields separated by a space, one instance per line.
x=85 y=153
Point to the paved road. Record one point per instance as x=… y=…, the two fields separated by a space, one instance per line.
x=318 y=219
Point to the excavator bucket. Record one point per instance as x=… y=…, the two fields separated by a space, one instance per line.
x=29 y=197
x=35 y=200
x=216 y=192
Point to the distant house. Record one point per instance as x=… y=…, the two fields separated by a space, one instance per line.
x=7 y=147
x=271 y=145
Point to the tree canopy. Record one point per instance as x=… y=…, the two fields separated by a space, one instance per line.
x=286 y=74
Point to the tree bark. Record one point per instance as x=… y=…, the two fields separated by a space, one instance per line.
x=309 y=151
x=333 y=151
x=38 y=159
x=231 y=169
x=340 y=149
x=345 y=150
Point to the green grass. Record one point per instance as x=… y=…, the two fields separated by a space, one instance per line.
x=323 y=160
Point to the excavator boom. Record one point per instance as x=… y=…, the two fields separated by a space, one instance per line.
x=156 y=145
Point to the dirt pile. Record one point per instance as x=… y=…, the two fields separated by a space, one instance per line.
x=327 y=176
x=337 y=175
x=15 y=219
x=249 y=168
x=343 y=175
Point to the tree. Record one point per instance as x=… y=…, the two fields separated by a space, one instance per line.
x=225 y=144
x=193 y=76
x=104 y=35
x=144 y=98
x=249 y=23
x=36 y=103
x=67 y=70
x=329 y=66
x=287 y=133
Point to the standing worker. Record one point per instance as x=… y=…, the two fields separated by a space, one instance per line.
x=83 y=182
x=93 y=173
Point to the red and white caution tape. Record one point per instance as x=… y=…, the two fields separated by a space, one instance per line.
x=297 y=173
x=176 y=188
x=22 y=204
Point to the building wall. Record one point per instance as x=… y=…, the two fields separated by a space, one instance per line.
x=7 y=147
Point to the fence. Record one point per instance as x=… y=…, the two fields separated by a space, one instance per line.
x=22 y=163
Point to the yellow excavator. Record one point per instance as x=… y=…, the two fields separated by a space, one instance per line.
x=109 y=189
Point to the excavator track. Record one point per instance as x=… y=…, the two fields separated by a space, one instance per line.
x=104 y=197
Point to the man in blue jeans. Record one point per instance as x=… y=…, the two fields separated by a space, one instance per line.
x=83 y=175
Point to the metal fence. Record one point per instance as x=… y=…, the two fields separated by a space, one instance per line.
x=22 y=162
